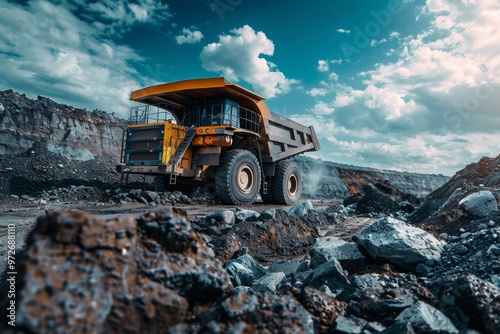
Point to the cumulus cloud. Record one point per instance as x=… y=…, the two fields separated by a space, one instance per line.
x=435 y=105
x=238 y=56
x=323 y=66
x=333 y=76
x=189 y=36
x=322 y=108
x=64 y=50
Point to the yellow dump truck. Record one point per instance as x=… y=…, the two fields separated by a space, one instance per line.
x=210 y=131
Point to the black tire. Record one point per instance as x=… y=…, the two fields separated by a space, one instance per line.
x=268 y=198
x=237 y=179
x=160 y=183
x=287 y=183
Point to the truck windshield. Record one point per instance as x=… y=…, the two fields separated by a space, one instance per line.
x=147 y=114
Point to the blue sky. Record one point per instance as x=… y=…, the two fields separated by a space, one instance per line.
x=396 y=84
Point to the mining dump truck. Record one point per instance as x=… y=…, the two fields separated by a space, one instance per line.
x=215 y=133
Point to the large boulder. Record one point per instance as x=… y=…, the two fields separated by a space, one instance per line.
x=268 y=282
x=84 y=274
x=242 y=215
x=480 y=204
x=348 y=254
x=330 y=274
x=426 y=319
x=287 y=267
x=360 y=284
x=244 y=270
x=300 y=209
x=394 y=241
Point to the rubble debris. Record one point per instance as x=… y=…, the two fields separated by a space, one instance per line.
x=480 y=300
x=441 y=211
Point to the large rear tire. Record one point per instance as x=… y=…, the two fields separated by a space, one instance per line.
x=287 y=183
x=237 y=179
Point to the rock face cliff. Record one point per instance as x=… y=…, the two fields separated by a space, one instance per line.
x=44 y=143
x=77 y=134
x=325 y=179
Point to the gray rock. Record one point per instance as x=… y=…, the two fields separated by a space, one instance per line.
x=346 y=253
x=422 y=270
x=403 y=245
x=244 y=270
x=399 y=328
x=268 y=282
x=142 y=200
x=345 y=325
x=375 y=327
x=222 y=215
x=480 y=204
x=243 y=215
x=304 y=266
x=239 y=274
x=427 y=319
x=300 y=209
x=287 y=267
x=268 y=214
x=330 y=274
x=360 y=284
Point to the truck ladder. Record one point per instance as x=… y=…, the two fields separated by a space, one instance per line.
x=179 y=153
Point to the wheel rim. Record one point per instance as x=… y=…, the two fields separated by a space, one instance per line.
x=246 y=177
x=292 y=185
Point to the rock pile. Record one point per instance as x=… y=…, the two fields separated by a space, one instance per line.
x=149 y=197
x=462 y=203
x=155 y=273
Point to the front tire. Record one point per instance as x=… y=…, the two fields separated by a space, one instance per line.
x=287 y=183
x=238 y=178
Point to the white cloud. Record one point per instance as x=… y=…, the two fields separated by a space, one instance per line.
x=65 y=51
x=336 y=61
x=189 y=36
x=237 y=56
x=321 y=108
x=394 y=34
x=325 y=89
x=323 y=66
x=333 y=76
x=375 y=42
x=343 y=31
